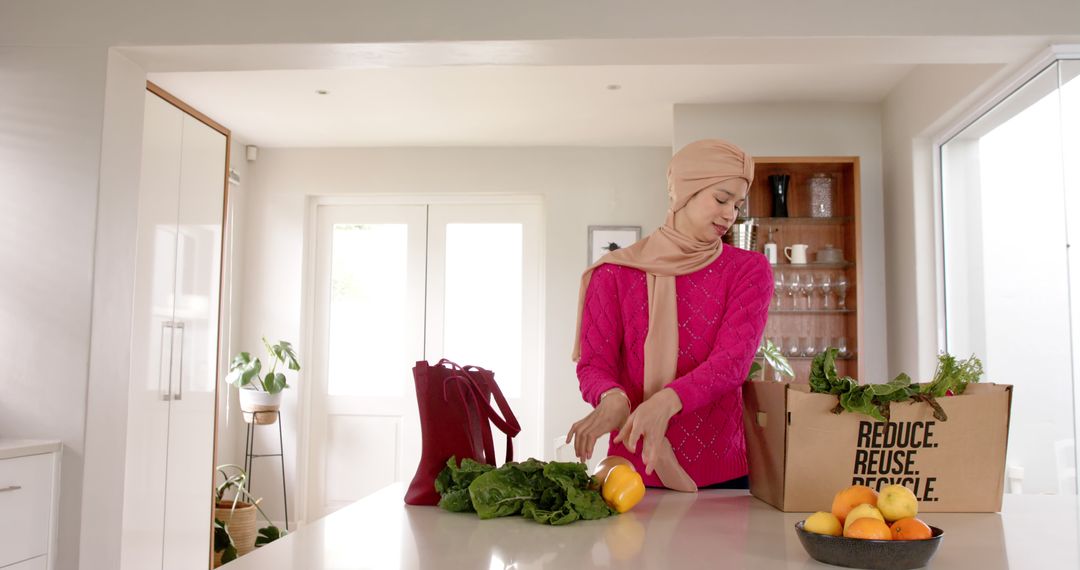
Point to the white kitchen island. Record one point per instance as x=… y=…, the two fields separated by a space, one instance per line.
x=712 y=529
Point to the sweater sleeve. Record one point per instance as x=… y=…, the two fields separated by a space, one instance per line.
x=737 y=341
x=601 y=336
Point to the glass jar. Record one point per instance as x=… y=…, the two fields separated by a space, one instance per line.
x=821 y=195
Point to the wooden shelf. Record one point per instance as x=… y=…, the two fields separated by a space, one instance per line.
x=803 y=221
x=812 y=266
x=841 y=231
x=811 y=311
x=810 y=358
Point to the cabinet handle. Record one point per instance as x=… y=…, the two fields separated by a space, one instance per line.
x=180 y=381
x=11 y=488
x=161 y=359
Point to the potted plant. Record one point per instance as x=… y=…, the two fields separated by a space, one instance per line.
x=775 y=357
x=234 y=519
x=262 y=392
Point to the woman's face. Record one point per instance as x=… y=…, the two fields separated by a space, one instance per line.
x=711 y=212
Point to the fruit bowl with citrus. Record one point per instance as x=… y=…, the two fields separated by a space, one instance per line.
x=870 y=529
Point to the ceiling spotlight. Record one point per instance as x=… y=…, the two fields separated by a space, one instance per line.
x=614 y=87
x=322 y=91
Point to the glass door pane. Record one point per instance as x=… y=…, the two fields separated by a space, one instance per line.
x=1069 y=79
x=1006 y=267
x=483 y=299
x=368 y=335
x=483 y=302
x=368 y=296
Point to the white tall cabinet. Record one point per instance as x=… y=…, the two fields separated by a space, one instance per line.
x=171 y=402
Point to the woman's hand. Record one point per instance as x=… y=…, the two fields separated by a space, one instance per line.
x=608 y=415
x=650 y=421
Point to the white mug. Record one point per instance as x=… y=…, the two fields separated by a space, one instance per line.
x=796 y=253
x=770 y=252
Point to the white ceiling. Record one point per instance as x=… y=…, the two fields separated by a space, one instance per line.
x=533 y=93
x=496 y=106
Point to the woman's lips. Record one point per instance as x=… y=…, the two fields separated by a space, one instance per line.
x=720 y=230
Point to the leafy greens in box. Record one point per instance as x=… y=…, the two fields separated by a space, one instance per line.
x=553 y=493
x=952 y=377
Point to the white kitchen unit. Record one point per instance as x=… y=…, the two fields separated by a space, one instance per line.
x=171 y=402
x=29 y=503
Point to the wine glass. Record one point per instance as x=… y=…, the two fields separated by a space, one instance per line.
x=790 y=347
x=807 y=289
x=822 y=342
x=792 y=289
x=807 y=346
x=825 y=285
x=841 y=291
x=778 y=287
x=841 y=347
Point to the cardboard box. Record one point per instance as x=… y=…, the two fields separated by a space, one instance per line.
x=801 y=453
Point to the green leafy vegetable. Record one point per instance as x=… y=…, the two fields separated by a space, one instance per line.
x=823 y=376
x=553 y=493
x=453 y=482
x=952 y=377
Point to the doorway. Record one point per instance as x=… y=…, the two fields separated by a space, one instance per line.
x=393 y=283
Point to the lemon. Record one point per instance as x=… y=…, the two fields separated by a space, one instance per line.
x=897 y=502
x=864 y=510
x=823 y=523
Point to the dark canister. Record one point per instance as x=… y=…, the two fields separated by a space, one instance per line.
x=779 y=184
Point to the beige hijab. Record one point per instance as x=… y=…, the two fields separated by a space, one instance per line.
x=667 y=253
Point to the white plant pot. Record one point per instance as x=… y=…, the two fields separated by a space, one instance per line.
x=267 y=405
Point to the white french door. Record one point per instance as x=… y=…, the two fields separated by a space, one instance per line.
x=397 y=283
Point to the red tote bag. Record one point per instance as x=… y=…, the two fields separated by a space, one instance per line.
x=455 y=420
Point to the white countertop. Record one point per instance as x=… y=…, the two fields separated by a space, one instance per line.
x=21 y=447
x=713 y=529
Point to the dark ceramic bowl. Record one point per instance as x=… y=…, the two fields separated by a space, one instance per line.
x=871 y=554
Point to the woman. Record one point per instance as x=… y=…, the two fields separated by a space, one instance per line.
x=667 y=330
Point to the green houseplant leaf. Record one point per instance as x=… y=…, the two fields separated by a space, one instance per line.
x=235 y=481
x=243 y=369
x=223 y=542
x=775 y=358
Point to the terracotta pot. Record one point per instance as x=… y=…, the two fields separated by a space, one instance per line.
x=267 y=405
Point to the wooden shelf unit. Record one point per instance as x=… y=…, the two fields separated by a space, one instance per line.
x=842 y=230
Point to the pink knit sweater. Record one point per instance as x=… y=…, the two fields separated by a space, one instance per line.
x=722 y=312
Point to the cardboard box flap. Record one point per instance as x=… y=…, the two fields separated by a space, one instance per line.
x=764 y=419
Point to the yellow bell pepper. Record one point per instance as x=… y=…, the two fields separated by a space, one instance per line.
x=623 y=488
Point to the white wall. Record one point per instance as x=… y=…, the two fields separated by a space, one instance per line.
x=107 y=392
x=50 y=135
x=923 y=103
x=579 y=186
x=815 y=129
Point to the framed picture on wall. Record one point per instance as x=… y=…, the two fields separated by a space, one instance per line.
x=605 y=239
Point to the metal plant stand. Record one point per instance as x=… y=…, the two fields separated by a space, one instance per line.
x=249 y=455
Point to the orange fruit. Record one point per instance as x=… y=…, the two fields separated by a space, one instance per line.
x=852 y=497
x=910 y=528
x=869 y=528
